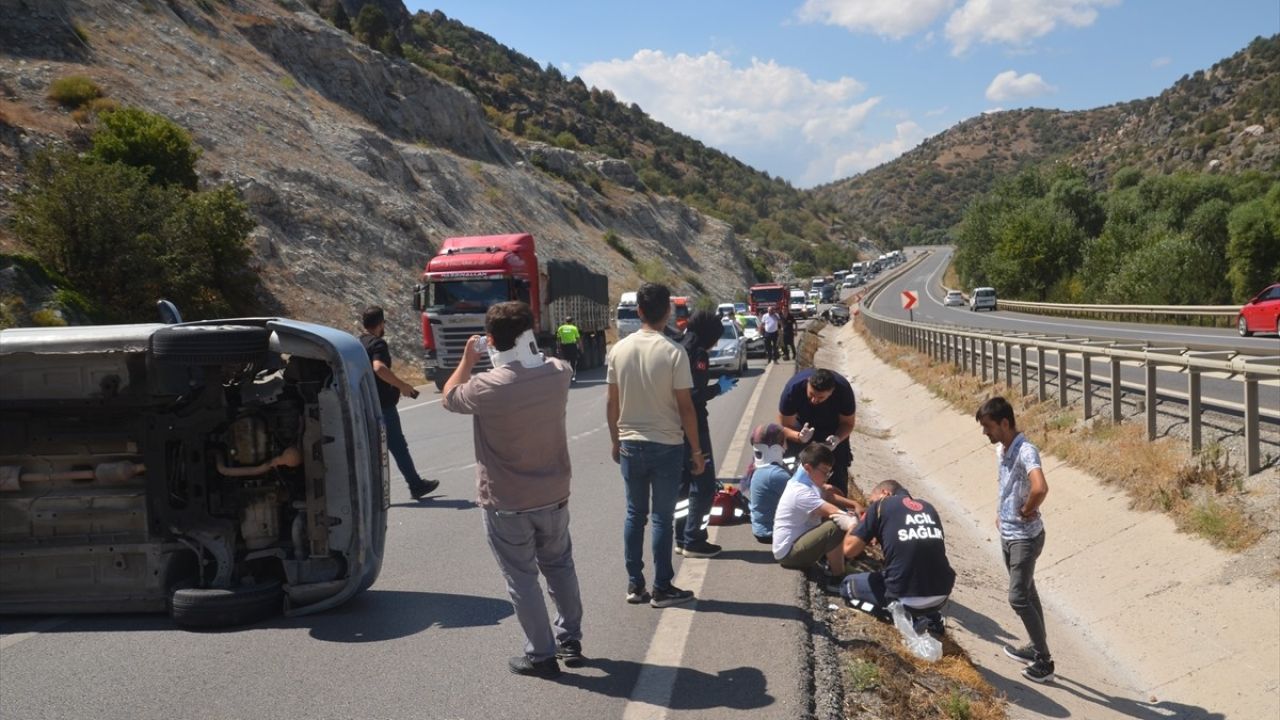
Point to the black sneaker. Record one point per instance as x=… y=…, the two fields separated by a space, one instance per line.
x=670 y=596
x=545 y=669
x=1040 y=671
x=700 y=549
x=637 y=595
x=1025 y=654
x=422 y=488
x=570 y=653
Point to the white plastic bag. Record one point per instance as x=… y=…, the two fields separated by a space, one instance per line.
x=922 y=645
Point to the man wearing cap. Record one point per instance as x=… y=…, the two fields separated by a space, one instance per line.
x=767 y=479
x=570 y=341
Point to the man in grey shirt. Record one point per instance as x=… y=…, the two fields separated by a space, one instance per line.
x=522 y=480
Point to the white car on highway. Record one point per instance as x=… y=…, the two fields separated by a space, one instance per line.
x=730 y=352
x=983 y=298
x=954 y=298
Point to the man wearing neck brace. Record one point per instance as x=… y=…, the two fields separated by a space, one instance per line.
x=766 y=479
x=522 y=480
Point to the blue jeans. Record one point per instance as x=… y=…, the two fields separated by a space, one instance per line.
x=649 y=468
x=398 y=446
x=869 y=587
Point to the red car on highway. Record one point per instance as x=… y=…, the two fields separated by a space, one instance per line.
x=1261 y=314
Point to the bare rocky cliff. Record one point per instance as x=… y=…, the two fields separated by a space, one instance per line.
x=355 y=164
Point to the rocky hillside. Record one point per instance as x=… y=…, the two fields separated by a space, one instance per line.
x=355 y=164
x=1225 y=119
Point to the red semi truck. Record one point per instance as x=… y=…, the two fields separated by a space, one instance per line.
x=766 y=295
x=469 y=274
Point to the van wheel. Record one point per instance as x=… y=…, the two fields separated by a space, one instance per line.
x=203 y=608
x=209 y=344
x=441 y=378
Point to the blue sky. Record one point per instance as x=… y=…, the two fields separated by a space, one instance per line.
x=818 y=90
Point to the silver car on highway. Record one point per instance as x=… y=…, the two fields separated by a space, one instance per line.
x=222 y=471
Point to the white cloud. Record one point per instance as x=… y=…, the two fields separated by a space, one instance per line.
x=907 y=135
x=763 y=113
x=892 y=18
x=1016 y=22
x=1009 y=85
x=937 y=111
x=1161 y=61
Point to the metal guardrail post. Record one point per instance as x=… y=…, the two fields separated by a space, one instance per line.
x=1150 y=398
x=1040 y=392
x=1117 y=392
x=1252 y=449
x=1022 y=368
x=982 y=357
x=1008 y=365
x=1193 y=407
x=1062 y=378
x=1086 y=379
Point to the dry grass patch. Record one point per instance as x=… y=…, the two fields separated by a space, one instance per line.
x=1202 y=494
x=883 y=679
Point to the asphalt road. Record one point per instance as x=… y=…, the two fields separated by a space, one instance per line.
x=925 y=280
x=431 y=638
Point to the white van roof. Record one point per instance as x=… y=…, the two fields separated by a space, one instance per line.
x=628 y=298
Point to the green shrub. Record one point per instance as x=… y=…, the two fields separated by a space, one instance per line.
x=47 y=318
x=150 y=142
x=73 y=91
x=863 y=675
x=566 y=140
x=957 y=706
x=612 y=240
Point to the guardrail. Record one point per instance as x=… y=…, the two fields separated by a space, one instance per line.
x=1214 y=313
x=977 y=351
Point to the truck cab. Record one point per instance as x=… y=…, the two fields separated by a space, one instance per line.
x=469 y=274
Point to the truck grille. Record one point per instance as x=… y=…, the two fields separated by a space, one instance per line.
x=451 y=335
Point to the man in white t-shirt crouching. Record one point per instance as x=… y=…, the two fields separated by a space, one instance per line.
x=811 y=519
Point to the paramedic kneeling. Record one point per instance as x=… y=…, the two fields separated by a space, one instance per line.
x=916 y=571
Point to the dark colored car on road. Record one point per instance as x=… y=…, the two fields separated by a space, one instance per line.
x=1261 y=314
x=221 y=471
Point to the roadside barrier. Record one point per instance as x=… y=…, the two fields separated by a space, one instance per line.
x=991 y=352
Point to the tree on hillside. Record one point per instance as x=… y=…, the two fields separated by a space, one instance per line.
x=371 y=26
x=150 y=142
x=129 y=231
x=1253 y=250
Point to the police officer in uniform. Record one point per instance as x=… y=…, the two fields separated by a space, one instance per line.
x=569 y=340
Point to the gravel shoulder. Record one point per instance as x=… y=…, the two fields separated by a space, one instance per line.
x=1144 y=621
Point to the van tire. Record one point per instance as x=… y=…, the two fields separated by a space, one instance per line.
x=205 y=608
x=209 y=344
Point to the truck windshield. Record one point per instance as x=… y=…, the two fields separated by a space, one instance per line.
x=627 y=312
x=768 y=296
x=467 y=296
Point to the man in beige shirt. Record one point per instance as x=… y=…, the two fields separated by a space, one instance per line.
x=522 y=480
x=650 y=412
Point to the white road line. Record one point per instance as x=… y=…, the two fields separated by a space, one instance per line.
x=9 y=641
x=657 y=680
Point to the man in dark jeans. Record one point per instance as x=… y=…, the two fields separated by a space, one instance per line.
x=650 y=413
x=788 y=335
x=701 y=334
x=1022 y=489
x=390 y=388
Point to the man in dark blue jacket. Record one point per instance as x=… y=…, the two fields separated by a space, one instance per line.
x=701 y=334
x=916 y=571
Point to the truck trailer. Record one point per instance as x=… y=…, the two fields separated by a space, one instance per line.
x=469 y=274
